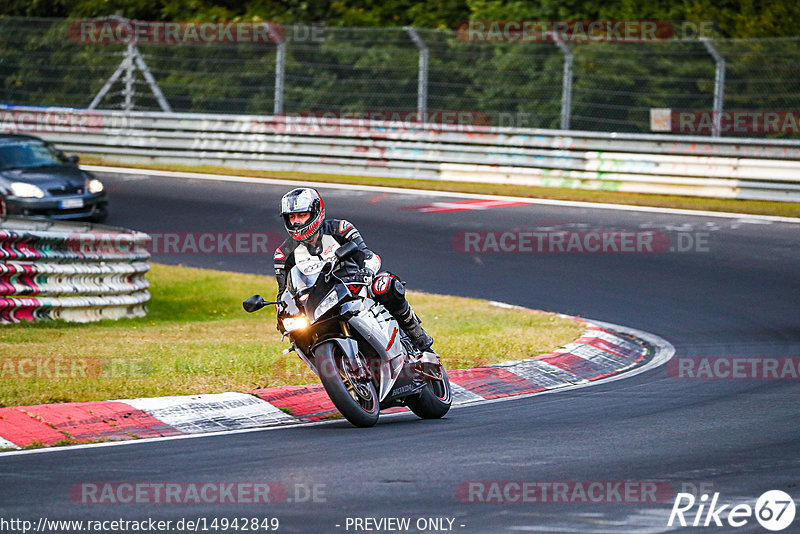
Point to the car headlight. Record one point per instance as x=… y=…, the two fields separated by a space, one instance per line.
x=327 y=303
x=20 y=189
x=295 y=323
x=95 y=186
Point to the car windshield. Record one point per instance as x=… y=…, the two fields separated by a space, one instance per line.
x=304 y=275
x=15 y=155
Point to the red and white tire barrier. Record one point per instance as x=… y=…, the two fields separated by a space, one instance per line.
x=71 y=271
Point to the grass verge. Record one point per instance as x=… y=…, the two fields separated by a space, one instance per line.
x=197 y=339
x=756 y=207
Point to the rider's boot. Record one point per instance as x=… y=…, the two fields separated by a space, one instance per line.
x=411 y=324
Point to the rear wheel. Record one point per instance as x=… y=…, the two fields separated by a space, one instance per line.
x=356 y=399
x=435 y=399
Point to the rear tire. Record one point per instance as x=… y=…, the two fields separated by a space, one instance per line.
x=357 y=400
x=435 y=400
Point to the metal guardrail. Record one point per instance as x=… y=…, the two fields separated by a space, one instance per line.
x=71 y=271
x=764 y=169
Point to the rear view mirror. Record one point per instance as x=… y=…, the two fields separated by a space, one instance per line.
x=254 y=303
x=73 y=159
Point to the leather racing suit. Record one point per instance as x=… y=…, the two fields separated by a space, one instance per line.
x=384 y=287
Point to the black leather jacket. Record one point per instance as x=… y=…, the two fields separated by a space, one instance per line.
x=333 y=233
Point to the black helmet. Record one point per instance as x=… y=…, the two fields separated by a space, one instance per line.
x=300 y=200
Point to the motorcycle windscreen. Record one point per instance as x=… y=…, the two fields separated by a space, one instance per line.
x=304 y=276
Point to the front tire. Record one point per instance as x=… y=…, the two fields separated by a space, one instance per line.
x=435 y=400
x=357 y=400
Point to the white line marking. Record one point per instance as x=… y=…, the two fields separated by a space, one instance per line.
x=211 y=411
x=5 y=444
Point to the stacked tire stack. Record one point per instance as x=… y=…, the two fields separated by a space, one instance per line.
x=71 y=271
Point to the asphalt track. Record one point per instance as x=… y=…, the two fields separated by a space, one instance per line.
x=736 y=295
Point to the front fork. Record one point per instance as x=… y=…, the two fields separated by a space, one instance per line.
x=349 y=347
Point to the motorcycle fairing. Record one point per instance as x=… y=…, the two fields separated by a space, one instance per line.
x=383 y=333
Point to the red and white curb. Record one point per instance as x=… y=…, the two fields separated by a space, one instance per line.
x=602 y=351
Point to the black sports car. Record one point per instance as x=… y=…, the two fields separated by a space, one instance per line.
x=37 y=179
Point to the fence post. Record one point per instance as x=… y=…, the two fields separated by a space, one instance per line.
x=719 y=84
x=422 y=75
x=129 y=90
x=566 y=84
x=280 y=73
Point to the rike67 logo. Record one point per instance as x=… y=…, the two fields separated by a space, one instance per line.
x=774 y=510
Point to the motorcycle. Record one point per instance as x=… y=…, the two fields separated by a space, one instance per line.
x=364 y=360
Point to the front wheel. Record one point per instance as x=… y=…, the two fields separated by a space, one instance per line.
x=435 y=399
x=356 y=399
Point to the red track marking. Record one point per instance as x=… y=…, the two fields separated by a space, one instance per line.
x=610 y=347
x=576 y=365
x=306 y=402
x=89 y=421
x=131 y=420
x=21 y=429
x=465 y=205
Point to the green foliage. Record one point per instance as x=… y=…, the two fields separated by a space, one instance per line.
x=734 y=18
x=353 y=68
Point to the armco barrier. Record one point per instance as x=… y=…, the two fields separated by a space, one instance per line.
x=71 y=271
x=765 y=169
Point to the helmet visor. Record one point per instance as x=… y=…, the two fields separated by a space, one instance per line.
x=298 y=201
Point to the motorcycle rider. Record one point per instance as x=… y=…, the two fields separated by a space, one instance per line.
x=303 y=214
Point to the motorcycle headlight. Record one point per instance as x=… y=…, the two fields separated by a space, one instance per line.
x=95 y=186
x=295 y=323
x=21 y=189
x=327 y=303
